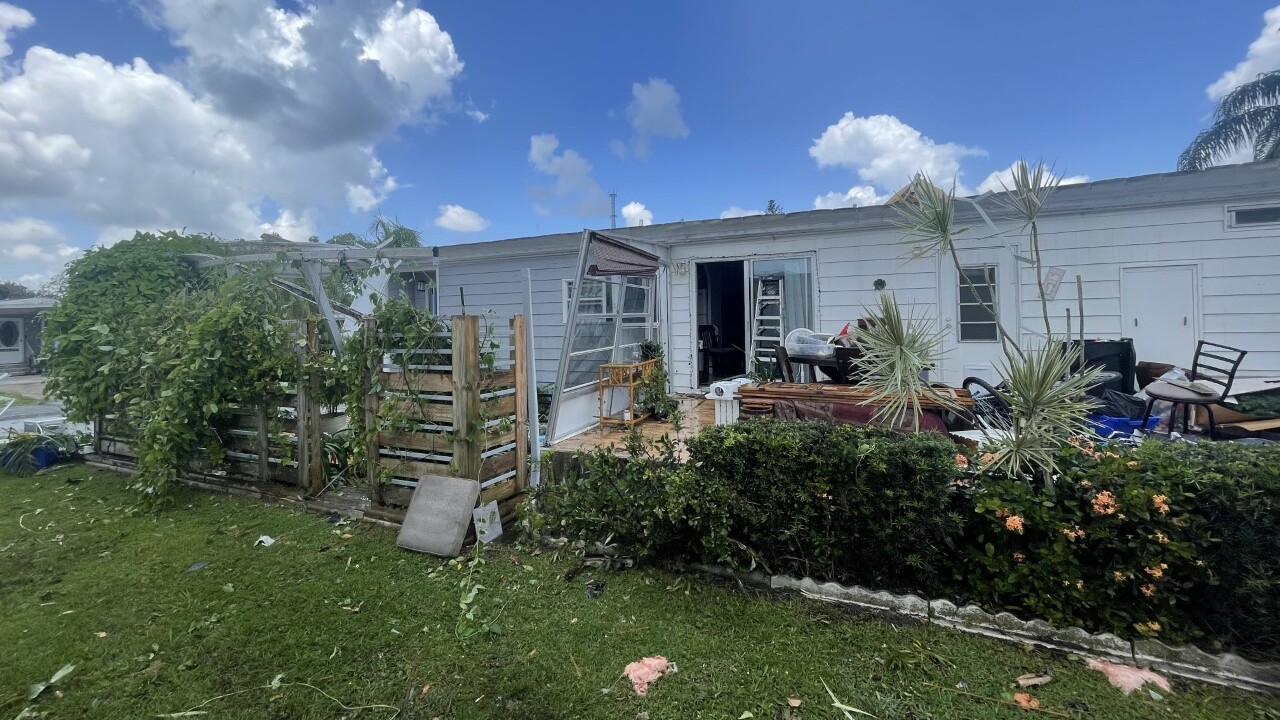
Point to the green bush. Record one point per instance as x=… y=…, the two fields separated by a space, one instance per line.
x=843 y=502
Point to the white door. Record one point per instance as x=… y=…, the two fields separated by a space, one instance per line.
x=975 y=341
x=10 y=341
x=1158 y=310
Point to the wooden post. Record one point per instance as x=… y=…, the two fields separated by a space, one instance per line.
x=264 y=445
x=518 y=340
x=315 y=433
x=371 y=425
x=97 y=434
x=302 y=410
x=467 y=435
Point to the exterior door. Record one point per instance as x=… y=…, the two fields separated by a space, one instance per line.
x=1158 y=310
x=986 y=282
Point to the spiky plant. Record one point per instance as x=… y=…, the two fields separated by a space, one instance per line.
x=927 y=220
x=897 y=351
x=1047 y=406
x=1032 y=188
x=1247 y=116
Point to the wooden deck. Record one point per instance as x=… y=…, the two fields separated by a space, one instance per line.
x=699 y=412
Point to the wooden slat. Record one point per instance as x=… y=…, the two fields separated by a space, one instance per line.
x=423 y=441
x=507 y=508
x=504 y=406
x=371 y=400
x=498 y=380
x=752 y=395
x=417 y=410
x=504 y=490
x=496 y=465
x=498 y=439
x=413 y=468
x=466 y=395
x=422 y=382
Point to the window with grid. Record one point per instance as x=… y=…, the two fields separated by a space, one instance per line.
x=597 y=298
x=977 y=321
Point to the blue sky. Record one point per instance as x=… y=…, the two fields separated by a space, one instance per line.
x=474 y=121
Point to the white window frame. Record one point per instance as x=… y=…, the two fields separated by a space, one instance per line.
x=587 y=306
x=1230 y=217
x=961 y=287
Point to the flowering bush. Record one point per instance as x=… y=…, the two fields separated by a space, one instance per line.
x=1112 y=545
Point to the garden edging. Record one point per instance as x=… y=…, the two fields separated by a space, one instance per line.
x=1183 y=661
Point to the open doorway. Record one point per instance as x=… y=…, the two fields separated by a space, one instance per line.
x=722 y=320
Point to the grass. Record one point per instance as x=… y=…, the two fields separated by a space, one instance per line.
x=338 y=607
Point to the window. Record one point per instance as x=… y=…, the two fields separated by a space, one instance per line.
x=1246 y=217
x=977 y=301
x=597 y=298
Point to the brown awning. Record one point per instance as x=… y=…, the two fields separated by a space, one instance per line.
x=615 y=257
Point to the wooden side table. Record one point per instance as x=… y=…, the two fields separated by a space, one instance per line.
x=623 y=376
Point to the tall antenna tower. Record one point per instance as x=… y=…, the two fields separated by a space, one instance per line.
x=613 y=210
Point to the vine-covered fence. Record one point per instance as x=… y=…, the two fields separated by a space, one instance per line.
x=455 y=406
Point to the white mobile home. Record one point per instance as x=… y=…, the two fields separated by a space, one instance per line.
x=1164 y=259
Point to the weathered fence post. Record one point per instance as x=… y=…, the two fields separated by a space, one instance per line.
x=372 y=427
x=264 y=444
x=312 y=426
x=467 y=432
x=518 y=340
x=97 y=434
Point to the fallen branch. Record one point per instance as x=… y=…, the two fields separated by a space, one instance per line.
x=276 y=685
x=1002 y=701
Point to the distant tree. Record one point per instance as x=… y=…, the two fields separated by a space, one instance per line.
x=772 y=208
x=1248 y=116
x=15 y=291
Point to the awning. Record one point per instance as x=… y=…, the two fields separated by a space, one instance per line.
x=615 y=257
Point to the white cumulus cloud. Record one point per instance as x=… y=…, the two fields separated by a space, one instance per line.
x=654 y=112
x=1002 y=180
x=856 y=196
x=34 y=248
x=1263 y=56
x=460 y=219
x=271 y=112
x=886 y=152
x=636 y=214
x=733 y=211
x=12 y=18
x=575 y=189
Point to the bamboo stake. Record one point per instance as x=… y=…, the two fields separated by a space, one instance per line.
x=1080 y=299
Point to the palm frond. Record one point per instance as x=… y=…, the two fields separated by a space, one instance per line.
x=1227 y=135
x=1047 y=405
x=897 y=350
x=1260 y=92
x=926 y=216
x=1032 y=188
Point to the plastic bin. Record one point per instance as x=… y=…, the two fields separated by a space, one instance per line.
x=1106 y=426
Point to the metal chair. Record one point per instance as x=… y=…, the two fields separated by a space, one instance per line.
x=1201 y=372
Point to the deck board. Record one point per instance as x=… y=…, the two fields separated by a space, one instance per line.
x=699 y=412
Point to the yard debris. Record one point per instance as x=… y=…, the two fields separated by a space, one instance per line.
x=265 y=541
x=595 y=588
x=1026 y=702
x=1033 y=679
x=1128 y=678
x=794 y=701
x=38 y=689
x=99 y=634
x=197 y=566
x=645 y=671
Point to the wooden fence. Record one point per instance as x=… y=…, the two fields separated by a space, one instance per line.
x=457 y=408
x=279 y=442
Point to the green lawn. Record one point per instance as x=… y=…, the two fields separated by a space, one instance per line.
x=338 y=607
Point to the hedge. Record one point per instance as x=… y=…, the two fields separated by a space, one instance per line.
x=1175 y=541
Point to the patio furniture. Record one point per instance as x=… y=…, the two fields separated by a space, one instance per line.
x=784 y=364
x=1198 y=392
x=622 y=376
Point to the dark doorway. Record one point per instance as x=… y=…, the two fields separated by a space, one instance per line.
x=722 y=320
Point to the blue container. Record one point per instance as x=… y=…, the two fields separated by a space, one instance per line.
x=43 y=457
x=1107 y=426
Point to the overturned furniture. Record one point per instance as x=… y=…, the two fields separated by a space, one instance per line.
x=840 y=404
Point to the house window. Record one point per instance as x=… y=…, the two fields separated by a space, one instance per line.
x=977 y=303
x=597 y=299
x=1248 y=217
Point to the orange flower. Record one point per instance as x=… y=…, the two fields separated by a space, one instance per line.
x=1161 y=503
x=1086 y=484
x=1079 y=584
x=1151 y=628
x=1132 y=463
x=1002 y=513
x=1019 y=557
x=1161 y=538
x=1119 y=575
x=1154 y=572
x=988 y=458
x=1013 y=523
x=962 y=461
x=1149 y=590
x=1104 y=503
x=1073 y=534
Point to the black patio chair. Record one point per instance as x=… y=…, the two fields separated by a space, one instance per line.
x=1201 y=372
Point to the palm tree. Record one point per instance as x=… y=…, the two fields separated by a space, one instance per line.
x=1248 y=115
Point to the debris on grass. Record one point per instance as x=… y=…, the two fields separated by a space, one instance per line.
x=197 y=566
x=595 y=588
x=265 y=541
x=38 y=689
x=646 y=671
x=1128 y=678
x=1026 y=702
x=1033 y=680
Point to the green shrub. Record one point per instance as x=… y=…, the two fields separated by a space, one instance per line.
x=1115 y=544
x=843 y=502
x=599 y=497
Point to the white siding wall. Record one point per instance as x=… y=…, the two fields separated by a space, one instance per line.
x=846 y=266
x=1239 y=274
x=500 y=285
